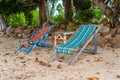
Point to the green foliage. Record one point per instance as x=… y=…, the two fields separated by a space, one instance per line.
x=16 y=19
x=85 y=16
x=97 y=15
x=84 y=12
x=51 y=8
x=8 y=7
x=60 y=18
x=20 y=19
x=89 y=16
x=35 y=20
x=59 y=8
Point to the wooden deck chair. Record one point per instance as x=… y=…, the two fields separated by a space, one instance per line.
x=38 y=39
x=81 y=39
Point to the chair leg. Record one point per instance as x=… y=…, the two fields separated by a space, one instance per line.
x=76 y=56
x=30 y=49
x=19 y=49
x=94 y=51
x=54 y=57
x=95 y=43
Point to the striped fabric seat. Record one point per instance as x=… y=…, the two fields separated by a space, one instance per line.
x=39 y=34
x=81 y=39
x=81 y=36
x=38 y=39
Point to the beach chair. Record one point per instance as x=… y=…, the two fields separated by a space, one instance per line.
x=77 y=43
x=38 y=39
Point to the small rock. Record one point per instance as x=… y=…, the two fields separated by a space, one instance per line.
x=98 y=73
x=117 y=56
x=23 y=62
x=88 y=60
x=1 y=34
x=5 y=61
x=36 y=59
x=115 y=45
x=18 y=77
x=118 y=76
x=59 y=66
x=8 y=30
x=19 y=36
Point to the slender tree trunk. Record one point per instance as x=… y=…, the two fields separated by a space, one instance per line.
x=68 y=10
x=3 y=23
x=28 y=16
x=42 y=11
x=48 y=12
x=116 y=13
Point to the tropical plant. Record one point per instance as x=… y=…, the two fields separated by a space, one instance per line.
x=59 y=16
x=51 y=9
x=89 y=16
x=35 y=19
x=16 y=19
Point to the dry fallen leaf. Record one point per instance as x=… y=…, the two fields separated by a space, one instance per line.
x=20 y=57
x=44 y=64
x=93 y=78
x=62 y=57
x=36 y=53
x=98 y=59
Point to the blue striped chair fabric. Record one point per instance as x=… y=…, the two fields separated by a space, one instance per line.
x=81 y=36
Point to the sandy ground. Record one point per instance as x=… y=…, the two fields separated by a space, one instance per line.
x=104 y=66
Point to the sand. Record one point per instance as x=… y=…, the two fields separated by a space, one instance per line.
x=103 y=66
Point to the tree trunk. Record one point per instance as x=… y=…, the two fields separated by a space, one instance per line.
x=48 y=12
x=68 y=10
x=3 y=23
x=28 y=16
x=42 y=11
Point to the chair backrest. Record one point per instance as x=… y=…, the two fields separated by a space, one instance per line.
x=80 y=37
x=40 y=34
x=83 y=36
